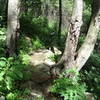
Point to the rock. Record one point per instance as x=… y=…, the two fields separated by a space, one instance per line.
x=2 y=98
x=28 y=39
x=35 y=90
x=40 y=75
x=41 y=56
x=57 y=51
x=89 y=96
x=40 y=65
x=51 y=98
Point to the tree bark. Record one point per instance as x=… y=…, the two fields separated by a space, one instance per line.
x=13 y=26
x=60 y=21
x=90 y=40
x=68 y=57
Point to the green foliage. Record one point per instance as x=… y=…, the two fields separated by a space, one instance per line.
x=54 y=57
x=93 y=81
x=14 y=96
x=11 y=72
x=88 y=2
x=24 y=58
x=3 y=12
x=81 y=41
x=39 y=29
x=2 y=34
x=36 y=44
x=2 y=40
x=91 y=75
x=24 y=44
x=94 y=60
x=31 y=25
x=28 y=44
x=26 y=91
x=11 y=96
x=87 y=14
x=68 y=6
x=69 y=88
x=41 y=98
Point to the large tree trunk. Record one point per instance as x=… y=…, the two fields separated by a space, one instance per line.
x=13 y=26
x=89 y=43
x=68 y=57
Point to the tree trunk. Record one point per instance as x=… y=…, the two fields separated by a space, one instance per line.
x=90 y=40
x=68 y=57
x=44 y=9
x=13 y=26
x=60 y=21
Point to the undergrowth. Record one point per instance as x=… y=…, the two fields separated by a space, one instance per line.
x=69 y=88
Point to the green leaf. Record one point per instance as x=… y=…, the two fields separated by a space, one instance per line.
x=3 y=58
x=9 y=83
x=12 y=75
x=27 y=91
x=11 y=96
x=19 y=74
x=2 y=63
x=2 y=33
x=1 y=75
x=10 y=59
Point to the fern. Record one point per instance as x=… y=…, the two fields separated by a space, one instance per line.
x=69 y=88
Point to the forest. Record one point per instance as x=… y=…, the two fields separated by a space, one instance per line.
x=49 y=50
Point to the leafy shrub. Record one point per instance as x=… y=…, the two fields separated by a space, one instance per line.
x=94 y=60
x=14 y=96
x=2 y=34
x=24 y=58
x=54 y=57
x=29 y=44
x=2 y=40
x=31 y=25
x=39 y=27
x=68 y=88
x=11 y=73
x=81 y=40
x=36 y=44
x=93 y=81
x=41 y=98
x=90 y=75
x=24 y=44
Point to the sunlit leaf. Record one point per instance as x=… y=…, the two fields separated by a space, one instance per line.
x=9 y=82
x=2 y=63
x=1 y=75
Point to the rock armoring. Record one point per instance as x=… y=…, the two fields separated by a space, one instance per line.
x=40 y=80
x=40 y=63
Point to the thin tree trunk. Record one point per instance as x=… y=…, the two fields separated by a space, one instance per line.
x=44 y=9
x=89 y=43
x=13 y=26
x=26 y=7
x=60 y=21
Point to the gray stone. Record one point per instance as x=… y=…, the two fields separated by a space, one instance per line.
x=2 y=98
x=89 y=96
x=40 y=63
